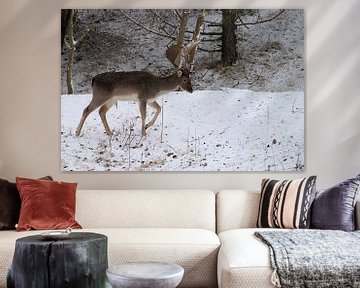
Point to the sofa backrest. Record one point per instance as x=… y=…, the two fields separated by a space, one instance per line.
x=236 y=209
x=239 y=209
x=146 y=209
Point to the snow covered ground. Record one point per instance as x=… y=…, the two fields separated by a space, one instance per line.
x=222 y=130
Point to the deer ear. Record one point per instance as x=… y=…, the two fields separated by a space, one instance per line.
x=179 y=73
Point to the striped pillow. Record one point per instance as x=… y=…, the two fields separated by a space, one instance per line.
x=286 y=204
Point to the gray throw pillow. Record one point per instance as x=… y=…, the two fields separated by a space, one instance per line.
x=334 y=208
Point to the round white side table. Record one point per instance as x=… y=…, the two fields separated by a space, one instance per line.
x=145 y=275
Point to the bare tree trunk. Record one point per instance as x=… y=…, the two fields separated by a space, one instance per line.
x=65 y=14
x=70 y=44
x=182 y=27
x=196 y=38
x=229 y=54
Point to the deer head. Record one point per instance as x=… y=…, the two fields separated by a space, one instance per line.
x=185 y=81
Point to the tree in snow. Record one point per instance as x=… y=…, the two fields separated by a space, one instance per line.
x=223 y=29
x=183 y=48
x=68 y=25
x=231 y=19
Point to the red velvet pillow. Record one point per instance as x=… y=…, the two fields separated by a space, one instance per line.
x=46 y=204
x=10 y=204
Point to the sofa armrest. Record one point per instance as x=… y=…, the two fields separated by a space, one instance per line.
x=357 y=215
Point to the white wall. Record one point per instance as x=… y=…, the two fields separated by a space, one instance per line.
x=30 y=94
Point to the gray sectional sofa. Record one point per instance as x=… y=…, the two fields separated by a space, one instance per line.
x=209 y=234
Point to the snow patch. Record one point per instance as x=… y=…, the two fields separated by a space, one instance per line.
x=218 y=130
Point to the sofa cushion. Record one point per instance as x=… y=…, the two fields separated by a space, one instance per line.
x=153 y=209
x=10 y=204
x=236 y=209
x=194 y=249
x=46 y=204
x=244 y=260
x=286 y=204
x=334 y=208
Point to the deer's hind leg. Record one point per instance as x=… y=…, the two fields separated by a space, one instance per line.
x=142 y=107
x=102 y=112
x=90 y=108
x=157 y=107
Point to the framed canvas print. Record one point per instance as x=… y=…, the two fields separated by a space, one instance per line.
x=182 y=90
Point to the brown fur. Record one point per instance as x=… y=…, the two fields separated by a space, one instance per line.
x=144 y=87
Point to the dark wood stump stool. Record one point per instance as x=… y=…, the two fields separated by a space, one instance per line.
x=79 y=261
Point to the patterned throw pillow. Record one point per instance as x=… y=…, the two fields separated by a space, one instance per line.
x=286 y=204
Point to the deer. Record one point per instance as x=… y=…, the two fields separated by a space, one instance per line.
x=141 y=86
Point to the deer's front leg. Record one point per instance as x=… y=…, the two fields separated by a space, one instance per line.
x=142 y=106
x=91 y=107
x=157 y=107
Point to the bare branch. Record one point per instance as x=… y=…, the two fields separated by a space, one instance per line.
x=214 y=24
x=244 y=24
x=261 y=21
x=146 y=28
x=178 y=15
x=210 y=51
x=162 y=19
x=212 y=33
